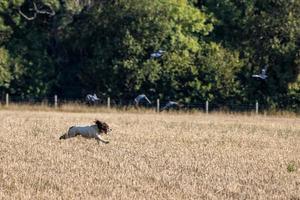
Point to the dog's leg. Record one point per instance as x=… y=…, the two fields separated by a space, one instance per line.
x=98 y=138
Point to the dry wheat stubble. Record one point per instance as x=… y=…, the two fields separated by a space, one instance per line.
x=150 y=157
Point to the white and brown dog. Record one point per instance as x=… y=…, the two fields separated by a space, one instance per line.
x=92 y=131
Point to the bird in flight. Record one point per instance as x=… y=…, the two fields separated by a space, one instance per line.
x=91 y=99
x=140 y=98
x=157 y=54
x=169 y=105
x=263 y=75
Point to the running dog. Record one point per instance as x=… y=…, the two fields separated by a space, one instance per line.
x=92 y=131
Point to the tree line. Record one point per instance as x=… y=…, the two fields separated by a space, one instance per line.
x=211 y=50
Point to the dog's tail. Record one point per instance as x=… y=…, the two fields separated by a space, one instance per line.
x=64 y=136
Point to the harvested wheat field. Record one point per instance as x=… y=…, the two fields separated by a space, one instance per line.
x=150 y=156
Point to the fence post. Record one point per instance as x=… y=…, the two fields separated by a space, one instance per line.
x=108 y=102
x=206 y=107
x=157 y=105
x=55 y=101
x=256 y=107
x=7 y=99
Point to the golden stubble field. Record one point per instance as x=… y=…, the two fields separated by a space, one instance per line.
x=150 y=156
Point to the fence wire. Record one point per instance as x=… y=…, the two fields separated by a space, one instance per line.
x=123 y=103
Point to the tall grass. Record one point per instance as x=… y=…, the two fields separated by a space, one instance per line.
x=150 y=156
x=83 y=108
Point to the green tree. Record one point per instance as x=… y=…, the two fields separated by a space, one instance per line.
x=31 y=32
x=110 y=47
x=5 y=75
x=266 y=33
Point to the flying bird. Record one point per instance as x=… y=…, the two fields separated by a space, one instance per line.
x=140 y=98
x=170 y=104
x=91 y=99
x=263 y=75
x=157 y=54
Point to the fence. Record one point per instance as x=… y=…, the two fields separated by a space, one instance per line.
x=120 y=103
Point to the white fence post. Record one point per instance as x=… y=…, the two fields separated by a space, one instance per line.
x=157 y=105
x=55 y=101
x=7 y=99
x=206 y=107
x=108 y=102
x=256 y=107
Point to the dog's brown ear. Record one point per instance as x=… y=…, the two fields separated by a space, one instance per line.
x=102 y=126
x=105 y=127
x=99 y=124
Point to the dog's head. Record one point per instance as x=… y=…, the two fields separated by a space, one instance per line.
x=102 y=126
